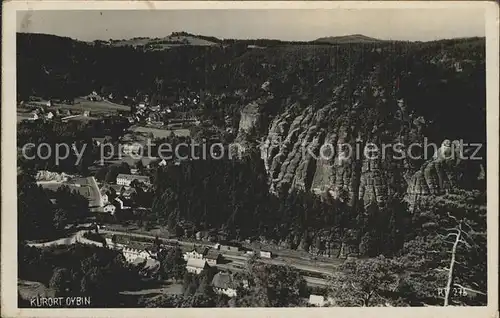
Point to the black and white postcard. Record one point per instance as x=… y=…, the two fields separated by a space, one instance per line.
x=253 y=159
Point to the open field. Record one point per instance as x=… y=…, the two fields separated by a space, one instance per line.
x=97 y=106
x=31 y=289
x=82 y=104
x=86 y=187
x=159 y=133
x=165 y=287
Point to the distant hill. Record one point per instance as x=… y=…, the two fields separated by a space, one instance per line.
x=172 y=40
x=353 y=38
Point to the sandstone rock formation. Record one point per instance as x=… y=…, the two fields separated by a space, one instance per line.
x=322 y=145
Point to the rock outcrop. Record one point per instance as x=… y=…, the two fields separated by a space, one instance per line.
x=326 y=144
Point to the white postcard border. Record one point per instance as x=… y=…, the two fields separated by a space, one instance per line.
x=8 y=146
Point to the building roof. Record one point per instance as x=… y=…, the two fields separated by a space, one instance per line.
x=212 y=254
x=150 y=263
x=132 y=177
x=152 y=249
x=223 y=280
x=199 y=249
x=228 y=243
x=316 y=300
x=196 y=262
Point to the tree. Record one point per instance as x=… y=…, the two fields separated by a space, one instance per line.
x=124 y=168
x=172 y=263
x=462 y=233
x=421 y=280
x=157 y=242
x=111 y=175
x=305 y=242
x=274 y=286
x=448 y=257
x=140 y=166
x=60 y=219
x=101 y=174
x=60 y=281
x=365 y=282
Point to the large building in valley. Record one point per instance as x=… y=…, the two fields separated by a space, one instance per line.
x=126 y=179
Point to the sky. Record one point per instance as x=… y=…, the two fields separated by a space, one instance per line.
x=302 y=25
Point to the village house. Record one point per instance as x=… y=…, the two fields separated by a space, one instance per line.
x=198 y=235
x=110 y=208
x=127 y=193
x=265 y=254
x=196 y=253
x=104 y=197
x=131 y=254
x=196 y=265
x=128 y=149
x=114 y=245
x=223 y=283
x=155 y=108
x=94 y=97
x=213 y=257
x=126 y=179
x=229 y=246
x=150 y=266
x=50 y=115
x=33 y=116
x=162 y=163
x=319 y=301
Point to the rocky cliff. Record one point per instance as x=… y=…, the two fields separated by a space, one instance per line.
x=320 y=141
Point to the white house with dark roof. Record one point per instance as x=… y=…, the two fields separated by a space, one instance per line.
x=196 y=265
x=223 y=283
x=131 y=148
x=33 y=116
x=126 y=179
x=320 y=301
x=213 y=257
x=131 y=254
x=265 y=254
x=110 y=208
x=197 y=252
